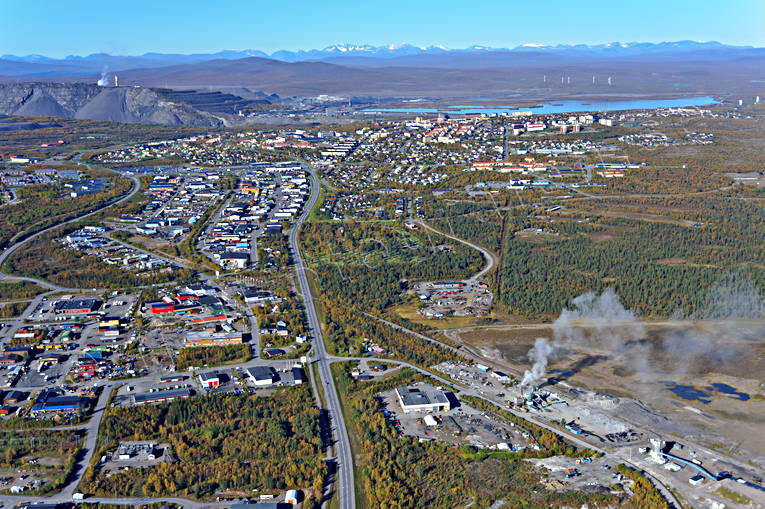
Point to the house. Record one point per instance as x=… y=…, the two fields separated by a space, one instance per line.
x=51 y=401
x=261 y=505
x=610 y=173
x=272 y=352
x=161 y=306
x=11 y=359
x=297 y=375
x=258 y=297
x=423 y=398
x=20 y=350
x=209 y=380
x=261 y=375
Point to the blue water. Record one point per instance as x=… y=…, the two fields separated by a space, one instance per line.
x=727 y=389
x=561 y=107
x=704 y=395
x=689 y=393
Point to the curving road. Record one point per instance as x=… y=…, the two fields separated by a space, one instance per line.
x=344 y=458
x=8 y=251
x=490 y=259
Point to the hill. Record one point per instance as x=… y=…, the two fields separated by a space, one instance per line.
x=88 y=101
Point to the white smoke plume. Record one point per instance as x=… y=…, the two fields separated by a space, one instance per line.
x=597 y=322
x=732 y=321
x=539 y=355
x=103 y=82
x=719 y=334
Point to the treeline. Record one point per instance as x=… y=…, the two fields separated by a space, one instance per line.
x=220 y=442
x=211 y=356
x=484 y=229
x=273 y=252
x=16 y=445
x=397 y=471
x=347 y=327
x=12 y=309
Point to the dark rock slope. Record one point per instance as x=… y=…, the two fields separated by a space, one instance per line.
x=92 y=102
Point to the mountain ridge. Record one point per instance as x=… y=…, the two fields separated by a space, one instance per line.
x=102 y=62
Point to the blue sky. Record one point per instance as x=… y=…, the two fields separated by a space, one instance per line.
x=59 y=28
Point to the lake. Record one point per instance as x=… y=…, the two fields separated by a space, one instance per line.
x=560 y=106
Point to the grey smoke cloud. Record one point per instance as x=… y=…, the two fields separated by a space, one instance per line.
x=731 y=320
x=594 y=321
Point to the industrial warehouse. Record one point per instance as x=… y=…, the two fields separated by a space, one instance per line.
x=423 y=398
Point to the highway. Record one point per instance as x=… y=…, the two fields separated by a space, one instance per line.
x=344 y=459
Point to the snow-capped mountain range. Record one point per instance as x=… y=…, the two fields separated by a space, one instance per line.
x=364 y=54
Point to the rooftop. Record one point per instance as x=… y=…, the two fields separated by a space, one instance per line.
x=413 y=396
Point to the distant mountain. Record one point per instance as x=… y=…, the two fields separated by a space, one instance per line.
x=31 y=66
x=364 y=54
x=223 y=84
x=528 y=74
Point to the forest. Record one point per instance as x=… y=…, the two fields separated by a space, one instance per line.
x=658 y=269
x=645 y=495
x=349 y=289
x=656 y=252
x=222 y=442
x=397 y=471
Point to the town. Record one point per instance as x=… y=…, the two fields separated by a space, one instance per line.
x=381 y=276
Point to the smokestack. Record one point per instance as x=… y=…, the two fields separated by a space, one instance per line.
x=116 y=81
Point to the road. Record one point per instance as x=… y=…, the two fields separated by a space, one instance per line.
x=344 y=458
x=490 y=259
x=172 y=260
x=5 y=254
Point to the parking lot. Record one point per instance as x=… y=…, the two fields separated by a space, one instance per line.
x=462 y=425
x=453 y=298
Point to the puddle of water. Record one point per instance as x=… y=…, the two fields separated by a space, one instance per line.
x=727 y=389
x=688 y=393
x=704 y=395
